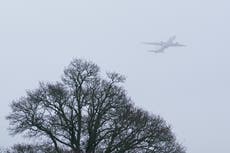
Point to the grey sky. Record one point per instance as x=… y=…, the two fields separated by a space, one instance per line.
x=189 y=87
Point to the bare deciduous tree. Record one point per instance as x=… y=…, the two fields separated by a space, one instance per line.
x=32 y=148
x=88 y=113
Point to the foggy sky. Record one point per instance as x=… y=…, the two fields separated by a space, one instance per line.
x=189 y=87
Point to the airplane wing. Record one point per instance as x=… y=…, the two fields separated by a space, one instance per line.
x=177 y=45
x=153 y=43
x=161 y=50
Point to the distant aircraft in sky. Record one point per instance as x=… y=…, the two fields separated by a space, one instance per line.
x=164 y=45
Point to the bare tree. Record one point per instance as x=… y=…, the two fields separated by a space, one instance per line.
x=88 y=113
x=33 y=148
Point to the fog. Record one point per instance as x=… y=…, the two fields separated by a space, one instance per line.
x=189 y=86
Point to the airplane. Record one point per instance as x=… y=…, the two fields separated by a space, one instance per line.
x=164 y=45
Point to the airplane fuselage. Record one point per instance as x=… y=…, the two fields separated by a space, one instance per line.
x=164 y=45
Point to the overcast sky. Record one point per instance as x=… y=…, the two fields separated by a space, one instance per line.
x=189 y=87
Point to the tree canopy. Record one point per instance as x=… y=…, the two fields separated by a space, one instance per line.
x=90 y=113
